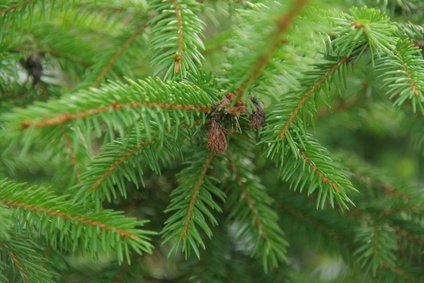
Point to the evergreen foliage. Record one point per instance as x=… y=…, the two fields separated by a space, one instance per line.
x=243 y=132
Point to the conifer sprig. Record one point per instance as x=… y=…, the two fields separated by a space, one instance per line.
x=288 y=143
x=191 y=205
x=118 y=105
x=327 y=179
x=71 y=227
x=403 y=74
x=126 y=159
x=376 y=247
x=26 y=261
x=364 y=27
x=322 y=80
x=255 y=220
x=118 y=124
x=178 y=54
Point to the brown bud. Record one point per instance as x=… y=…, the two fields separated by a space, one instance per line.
x=34 y=68
x=217 y=141
x=257 y=119
x=420 y=44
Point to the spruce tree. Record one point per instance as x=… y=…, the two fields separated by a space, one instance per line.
x=211 y=141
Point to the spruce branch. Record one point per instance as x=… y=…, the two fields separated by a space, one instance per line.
x=324 y=78
x=377 y=252
x=283 y=24
x=338 y=230
x=218 y=262
x=71 y=226
x=61 y=119
x=307 y=157
x=26 y=261
x=124 y=159
x=180 y=35
x=295 y=151
x=117 y=104
x=190 y=204
x=289 y=66
x=24 y=13
x=289 y=118
x=195 y=195
x=16 y=263
x=176 y=40
x=403 y=74
x=364 y=28
x=257 y=223
x=411 y=32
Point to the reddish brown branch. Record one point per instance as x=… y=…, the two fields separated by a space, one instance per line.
x=117 y=55
x=63 y=215
x=283 y=24
x=180 y=35
x=194 y=196
x=117 y=163
x=415 y=89
x=114 y=107
x=309 y=93
x=322 y=175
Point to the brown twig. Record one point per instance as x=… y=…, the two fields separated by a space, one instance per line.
x=114 y=107
x=283 y=24
x=180 y=35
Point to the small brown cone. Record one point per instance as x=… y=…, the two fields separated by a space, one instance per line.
x=257 y=119
x=217 y=141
